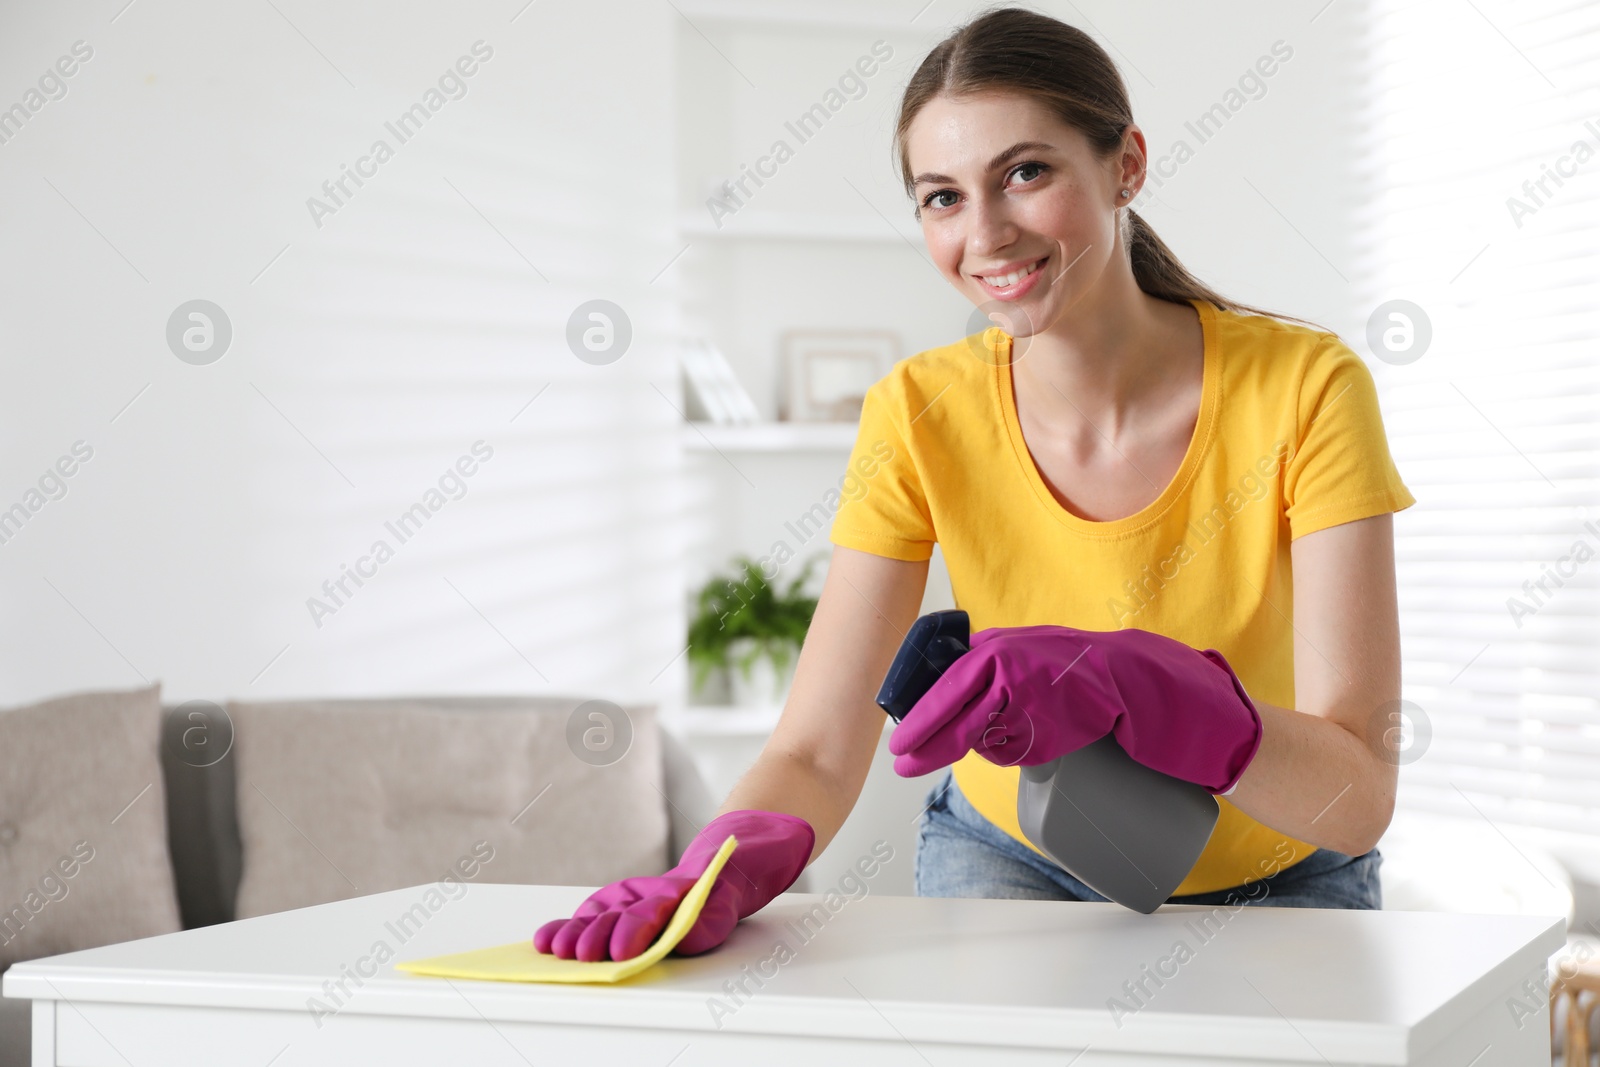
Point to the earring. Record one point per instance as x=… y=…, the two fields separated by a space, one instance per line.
x=1124 y=192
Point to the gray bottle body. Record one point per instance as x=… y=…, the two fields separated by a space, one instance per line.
x=1130 y=833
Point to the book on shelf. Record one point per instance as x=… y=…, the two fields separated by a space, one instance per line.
x=711 y=389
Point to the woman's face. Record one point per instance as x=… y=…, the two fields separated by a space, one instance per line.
x=1016 y=210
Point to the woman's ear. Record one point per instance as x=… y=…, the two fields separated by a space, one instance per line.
x=1131 y=160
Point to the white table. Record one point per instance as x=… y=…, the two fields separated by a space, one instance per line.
x=886 y=981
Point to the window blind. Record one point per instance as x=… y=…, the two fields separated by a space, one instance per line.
x=1484 y=216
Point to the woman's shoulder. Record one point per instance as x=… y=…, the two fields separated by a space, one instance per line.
x=1249 y=329
x=965 y=366
x=1275 y=351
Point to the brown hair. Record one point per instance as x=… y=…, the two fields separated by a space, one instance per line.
x=1060 y=66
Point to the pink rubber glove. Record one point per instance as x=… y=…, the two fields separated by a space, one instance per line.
x=1026 y=695
x=624 y=918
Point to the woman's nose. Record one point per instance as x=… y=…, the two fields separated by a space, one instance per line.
x=990 y=227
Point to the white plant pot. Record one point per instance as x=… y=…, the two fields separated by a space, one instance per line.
x=764 y=686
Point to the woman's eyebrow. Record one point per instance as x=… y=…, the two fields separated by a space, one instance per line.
x=1000 y=160
x=1016 y=150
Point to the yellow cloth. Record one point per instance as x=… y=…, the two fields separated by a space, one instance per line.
x=1289 y=441
x=520 y=962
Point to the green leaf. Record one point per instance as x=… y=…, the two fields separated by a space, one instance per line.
x=744 y=603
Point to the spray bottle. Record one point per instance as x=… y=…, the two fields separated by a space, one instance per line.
x=1130 y=833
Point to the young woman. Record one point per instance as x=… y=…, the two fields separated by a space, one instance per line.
x=1168 y=515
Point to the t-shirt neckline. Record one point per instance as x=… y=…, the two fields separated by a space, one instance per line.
x=1199 y=440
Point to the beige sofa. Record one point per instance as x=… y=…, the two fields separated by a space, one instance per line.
x=123 y=818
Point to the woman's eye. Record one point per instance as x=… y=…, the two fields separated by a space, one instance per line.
x=1027 y=172
x=937 y=198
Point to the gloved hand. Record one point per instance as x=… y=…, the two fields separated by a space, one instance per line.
x=1027 y=695
x=623 y=919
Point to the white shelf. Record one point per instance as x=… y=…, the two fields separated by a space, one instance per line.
x=753 y=225
x=770 y=437
x=698 y=720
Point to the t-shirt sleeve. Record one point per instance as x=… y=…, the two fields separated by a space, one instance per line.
x=883 y=509
x=1340 y=469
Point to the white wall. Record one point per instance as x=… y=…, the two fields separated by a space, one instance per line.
x=405 y=328
x=369 y=356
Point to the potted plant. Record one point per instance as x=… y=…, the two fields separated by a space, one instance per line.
x=743 y=624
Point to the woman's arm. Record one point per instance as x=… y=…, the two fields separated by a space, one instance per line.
x=815 y=762
x=1321 y=774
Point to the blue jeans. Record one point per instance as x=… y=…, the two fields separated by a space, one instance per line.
x=962 y=854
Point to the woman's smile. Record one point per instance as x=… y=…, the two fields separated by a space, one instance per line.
x=1010 y=281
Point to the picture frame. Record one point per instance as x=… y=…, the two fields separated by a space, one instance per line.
x=826 y=373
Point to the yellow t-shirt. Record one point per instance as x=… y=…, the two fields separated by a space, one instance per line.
x=1289 y=440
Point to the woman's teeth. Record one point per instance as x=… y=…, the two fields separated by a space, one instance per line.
x=1000 y=281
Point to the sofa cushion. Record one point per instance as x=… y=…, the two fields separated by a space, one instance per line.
x=83 y=830
x=341 y=798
